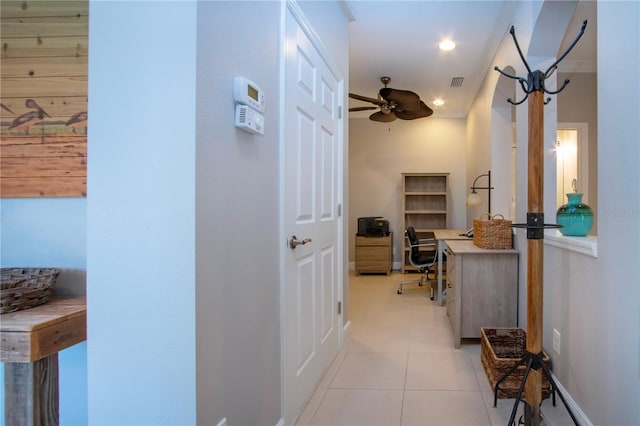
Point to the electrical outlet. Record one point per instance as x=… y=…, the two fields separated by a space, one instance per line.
x=556 y=341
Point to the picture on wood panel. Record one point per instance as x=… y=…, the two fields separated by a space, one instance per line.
x=43 y=104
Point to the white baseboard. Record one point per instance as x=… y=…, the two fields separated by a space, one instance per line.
x=575 y=409
x=346 y=333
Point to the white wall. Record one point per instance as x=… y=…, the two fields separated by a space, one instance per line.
x=237 y=218
x=380 y=152
x=51 y=232
x=141 y=213
x=616 y=338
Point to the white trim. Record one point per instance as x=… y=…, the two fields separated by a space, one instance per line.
x=575 y=409
x=280 y=422
x=346 y=9
x=301 y=19
x=281 y=124
x=584 y=245
x=346 y=334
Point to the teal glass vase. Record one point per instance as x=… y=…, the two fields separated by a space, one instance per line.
x=575 y=217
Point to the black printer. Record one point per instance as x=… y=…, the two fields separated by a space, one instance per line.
x=374 y=226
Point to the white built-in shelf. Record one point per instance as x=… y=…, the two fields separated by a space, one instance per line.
x=584 y=245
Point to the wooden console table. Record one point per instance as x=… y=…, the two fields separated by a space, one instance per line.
x=30 y=342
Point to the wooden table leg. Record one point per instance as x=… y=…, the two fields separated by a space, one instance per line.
x=31 y=392
x=440 y=254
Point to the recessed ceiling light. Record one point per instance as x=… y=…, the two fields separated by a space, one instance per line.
x=438 y=102
x=447 y=45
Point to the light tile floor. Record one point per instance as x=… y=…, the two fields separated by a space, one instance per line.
x=400 y=367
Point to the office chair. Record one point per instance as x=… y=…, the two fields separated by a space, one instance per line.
x=424 y=260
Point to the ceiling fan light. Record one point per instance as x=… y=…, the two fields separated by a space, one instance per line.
x=394 y=103
x=438 y=102
x=447 y=45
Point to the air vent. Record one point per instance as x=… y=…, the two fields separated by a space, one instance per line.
x=242 y=115
x=456 y=81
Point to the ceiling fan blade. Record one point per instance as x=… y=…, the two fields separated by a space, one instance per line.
x=423 y=112
x=362 y=108
x=404 y=99
x=382 y=117
x=366 y=99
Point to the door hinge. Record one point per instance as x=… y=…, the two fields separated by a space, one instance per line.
x=339 y=112
x=339 y=308
x=339 y=210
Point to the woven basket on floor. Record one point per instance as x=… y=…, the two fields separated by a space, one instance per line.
x=501 y=349
x=23 y=288
x=492 y=233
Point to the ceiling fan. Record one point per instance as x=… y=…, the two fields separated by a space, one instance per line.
x=393 y=103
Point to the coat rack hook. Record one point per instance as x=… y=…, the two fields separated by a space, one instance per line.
x=511 y=101
x=566 y=52
x=564 y=84
x=535 y=79
x=520 y=79
x=512 y=31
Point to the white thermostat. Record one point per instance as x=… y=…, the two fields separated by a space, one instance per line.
x=249 y=120
x=246 y=92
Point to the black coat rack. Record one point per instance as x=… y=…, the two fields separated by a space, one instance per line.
x=531 y=386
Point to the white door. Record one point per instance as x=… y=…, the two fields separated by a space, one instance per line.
x=310 y=212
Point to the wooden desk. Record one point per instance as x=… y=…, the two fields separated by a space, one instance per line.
x=30 y=342
x=442 y=235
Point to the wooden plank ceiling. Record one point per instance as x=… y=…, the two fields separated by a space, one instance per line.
x=43 y=91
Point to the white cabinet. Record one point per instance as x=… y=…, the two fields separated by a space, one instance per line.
x=424 y=206
x=482 y=288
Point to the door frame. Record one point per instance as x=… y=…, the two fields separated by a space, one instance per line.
x=292 y=7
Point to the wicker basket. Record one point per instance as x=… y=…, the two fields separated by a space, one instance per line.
x=23 y=288
x=492 y=233
x=501 y=349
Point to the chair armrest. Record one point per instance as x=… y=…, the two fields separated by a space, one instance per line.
x=427 y=241
x=422 y=244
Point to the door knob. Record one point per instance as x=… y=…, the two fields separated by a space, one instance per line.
x=295 y=242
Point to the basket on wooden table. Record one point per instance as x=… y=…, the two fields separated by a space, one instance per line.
x=501 y=349
x=23 y=288
x=493 y=232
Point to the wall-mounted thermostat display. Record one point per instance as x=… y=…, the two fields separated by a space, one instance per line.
x=246 y=92
x=249 y=120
